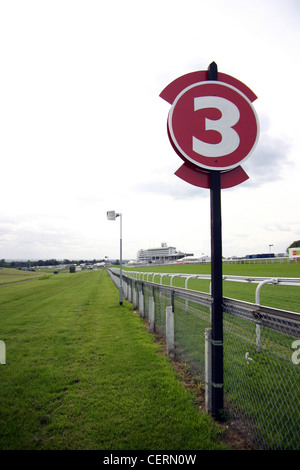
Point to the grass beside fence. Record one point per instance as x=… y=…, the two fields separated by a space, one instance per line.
x=277 y=296
x=269 y=269
x=82 y=372
x=261 y=391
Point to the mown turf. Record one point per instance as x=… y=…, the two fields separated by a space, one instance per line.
x=82 y=372
x=276 y=296
x=8 y=275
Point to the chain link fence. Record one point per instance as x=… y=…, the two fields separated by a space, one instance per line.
x=261 y=357
x=262 y=374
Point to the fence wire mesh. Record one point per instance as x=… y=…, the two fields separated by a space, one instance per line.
x=161 y=301
x=261 y=375
x=261 y=381
x=191 y=319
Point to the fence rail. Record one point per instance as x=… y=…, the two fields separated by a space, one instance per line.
x=261 y=354
x=284 y=281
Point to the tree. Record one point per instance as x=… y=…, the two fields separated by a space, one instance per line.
x=295 y=244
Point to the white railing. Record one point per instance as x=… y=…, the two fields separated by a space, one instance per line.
x=259 y=342
x=261 y=281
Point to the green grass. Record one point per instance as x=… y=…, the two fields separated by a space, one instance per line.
x=8 y=275
x=284 y=297
x=291 y=269
x=82 y=372
x=265 y=390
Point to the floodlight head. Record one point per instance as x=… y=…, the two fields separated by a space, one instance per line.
x=111 y=215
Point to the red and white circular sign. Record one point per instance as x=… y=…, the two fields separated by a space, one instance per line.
x=213 y=125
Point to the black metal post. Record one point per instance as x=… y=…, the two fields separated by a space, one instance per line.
x=212 y=71
x=216 y=283
x=217 y=295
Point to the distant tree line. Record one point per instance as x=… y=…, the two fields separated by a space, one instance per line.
x=47 y=262
x=295 y=244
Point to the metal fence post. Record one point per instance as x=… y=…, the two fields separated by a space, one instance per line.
x=2 y=352
x=141 y=302
x=129 y=290
x=170 y=331
x=135 y=296
x=151 y=315
x=257 y=300
x=125 y=288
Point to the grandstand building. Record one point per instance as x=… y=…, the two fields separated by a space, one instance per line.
x=162 y=254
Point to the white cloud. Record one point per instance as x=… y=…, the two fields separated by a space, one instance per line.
x=83 y=129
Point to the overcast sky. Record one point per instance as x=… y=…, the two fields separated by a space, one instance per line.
x=83 y=129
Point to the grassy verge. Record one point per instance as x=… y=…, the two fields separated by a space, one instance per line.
x=264 y=391
x=291 y=269
x=8 y=275
x=83 y=373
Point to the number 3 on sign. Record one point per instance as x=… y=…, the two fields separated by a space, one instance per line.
x=230 y=116
x=220 y=137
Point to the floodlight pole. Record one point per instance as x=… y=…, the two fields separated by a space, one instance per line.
x=112 y=215
x=121 y=280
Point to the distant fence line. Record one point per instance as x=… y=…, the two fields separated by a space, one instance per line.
x=269 y=260
x=207 y=260
x=261 y=281
x=261 y=354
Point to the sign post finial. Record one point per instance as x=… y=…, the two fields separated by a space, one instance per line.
x=212 y=71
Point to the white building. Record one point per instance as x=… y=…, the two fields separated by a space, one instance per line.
x=159 y=255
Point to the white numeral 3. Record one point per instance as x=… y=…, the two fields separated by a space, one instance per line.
x=230 y=116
